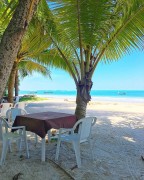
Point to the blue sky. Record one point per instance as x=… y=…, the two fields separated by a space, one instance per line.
x=125 y=74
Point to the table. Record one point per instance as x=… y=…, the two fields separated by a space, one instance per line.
x=41 y=123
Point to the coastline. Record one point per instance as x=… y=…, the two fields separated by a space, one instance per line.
x=94 y=106
x=106 y=95
x=119 y=99
x=94 y=98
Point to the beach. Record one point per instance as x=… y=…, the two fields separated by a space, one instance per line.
x=117 y=141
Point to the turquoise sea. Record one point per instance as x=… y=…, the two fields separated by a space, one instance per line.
x=135 y=94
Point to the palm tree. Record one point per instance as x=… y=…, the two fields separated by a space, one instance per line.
x=23 y=69
x=83 y=33
x=11 y=38
x=30 y=56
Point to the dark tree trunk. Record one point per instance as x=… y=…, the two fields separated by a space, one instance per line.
x=83 y=97
x=11 y=83
x=16 y=84
x=12 y=37
x=81 y=106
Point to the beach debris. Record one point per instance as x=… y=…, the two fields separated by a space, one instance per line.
x=22 y=157
x=53 y=140
x=121 y=93
x=53 y=131
x=54 y=136
x=54 y=163
x=16 y=177
x=74 y=167
x=142 y=157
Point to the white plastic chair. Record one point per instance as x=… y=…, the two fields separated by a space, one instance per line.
x=84 y=131
x=13 y=112
x=11 y=115
x=7 y=136
x=20 y=105
x=4 y=108
x=17 y=99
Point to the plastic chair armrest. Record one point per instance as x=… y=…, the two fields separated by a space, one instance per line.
x=94 y=121
x=18 y=127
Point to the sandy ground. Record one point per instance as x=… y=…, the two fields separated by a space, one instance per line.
x=117 y=138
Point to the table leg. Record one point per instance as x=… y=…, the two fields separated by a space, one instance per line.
x=43 y=150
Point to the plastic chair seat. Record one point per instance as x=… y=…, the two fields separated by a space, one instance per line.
x=11 y=135
x=70 y=138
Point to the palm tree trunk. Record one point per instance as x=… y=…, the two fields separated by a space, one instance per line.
x=11 y=40
x=11 y=83
x=81 y=106
x=83 y=97
x=16 y=84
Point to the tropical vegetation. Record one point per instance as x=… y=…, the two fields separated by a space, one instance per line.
x=30 y=57
x=31 y=98
x=12 y=36
x=34 y=42
x=84 y=33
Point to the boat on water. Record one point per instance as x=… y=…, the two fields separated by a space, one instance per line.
x=33 y=92
x=48 y=92
x=121 y=93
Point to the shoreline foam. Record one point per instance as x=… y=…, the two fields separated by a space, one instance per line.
x=97 y=98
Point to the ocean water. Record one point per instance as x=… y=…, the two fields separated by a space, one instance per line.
x=123 y=95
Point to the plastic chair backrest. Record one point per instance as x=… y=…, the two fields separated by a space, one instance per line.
x=5 y=107
x=13 y=112
x=85 y=125
x=20 y=105
x=17 y=99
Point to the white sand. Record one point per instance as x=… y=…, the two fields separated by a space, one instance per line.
x=118 y=143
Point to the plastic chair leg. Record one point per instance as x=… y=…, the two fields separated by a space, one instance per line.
x=19 y=144
x=57 y=150
x=91 y=151
x=4 y=151
x=36 y=139
x=76 y=146
x=9 y=147
x=49 y=135
x=43 y=150
x=19 y=141
x=26 y=144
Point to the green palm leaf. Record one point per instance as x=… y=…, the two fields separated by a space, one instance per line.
x=106 y=29
x=28 y=67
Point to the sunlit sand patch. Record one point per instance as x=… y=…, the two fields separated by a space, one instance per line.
x=129 y=139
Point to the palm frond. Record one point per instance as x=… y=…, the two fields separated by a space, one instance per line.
x=6 y=11
x=28 y=67
x=109 y=28
x=128 y=34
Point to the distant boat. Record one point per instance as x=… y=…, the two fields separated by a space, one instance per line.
x=121 y=93
x=48 y=92
x=33 y=92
